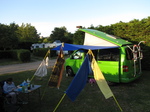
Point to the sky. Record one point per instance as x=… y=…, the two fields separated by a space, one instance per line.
x=45 y=15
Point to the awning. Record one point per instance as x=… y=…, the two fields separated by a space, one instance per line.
x=72 y=47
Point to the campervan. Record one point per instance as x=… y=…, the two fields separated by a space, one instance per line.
x=121 y=63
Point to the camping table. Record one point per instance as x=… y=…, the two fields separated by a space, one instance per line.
x=32 y=91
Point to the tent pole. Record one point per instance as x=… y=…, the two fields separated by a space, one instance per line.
x=32 y=78
x=117 y=103
x=48 y=52
x=44 y=91
x=44 y=59
x=90 y=52
x=59 y=102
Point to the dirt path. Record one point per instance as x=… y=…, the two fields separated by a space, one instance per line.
x=22 y=67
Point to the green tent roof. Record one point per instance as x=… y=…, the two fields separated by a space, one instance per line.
x=107 y=37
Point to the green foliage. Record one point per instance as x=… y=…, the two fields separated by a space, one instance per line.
x=5 y=54
x=134 y=30
x=24 y=45
x=146 y=59
x=61 y=34
x=12 y=35
x=107 y=29
x=27 y=33
x=45 y=40
x=41 y=52
x=78 y=37
x=14 y=54
x=53 y=53
x=8 y=37
x=23 y=55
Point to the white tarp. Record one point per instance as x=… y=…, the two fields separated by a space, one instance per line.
x=42 y=70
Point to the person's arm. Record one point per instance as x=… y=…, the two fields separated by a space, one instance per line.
x=5 y=88
x=8 y=89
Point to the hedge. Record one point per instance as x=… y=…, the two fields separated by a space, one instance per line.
x=5 y=54
x=41 y=52
x=22 y=55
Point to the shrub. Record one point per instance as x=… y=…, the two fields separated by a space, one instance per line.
x=41 y=52
x=53 y=53
x=14 y=54
x=23 y=55
x=146 y=59
x=5 y=54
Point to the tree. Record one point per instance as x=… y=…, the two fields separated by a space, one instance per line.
x=27 y=33
x=120 y=29
x=78 y=37
x=13 y=29
x=145 y=30
x=8 y=37
x=61 y=34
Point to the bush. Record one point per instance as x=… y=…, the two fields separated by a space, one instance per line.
x=146 y=59
x=53 y=53
x=14 y=54
x=5 y=54
x=25 y=45
x=41 y=52
x=23 y=55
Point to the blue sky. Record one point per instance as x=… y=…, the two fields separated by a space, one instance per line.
x=45 y=15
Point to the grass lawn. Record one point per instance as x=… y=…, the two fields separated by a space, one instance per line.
x=132 y=97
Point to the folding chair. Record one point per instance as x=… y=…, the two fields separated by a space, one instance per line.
x=1 y=101
x=5 y=97
x=6 y=100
